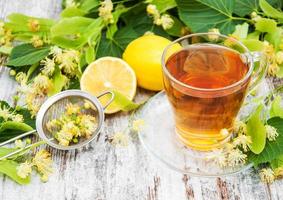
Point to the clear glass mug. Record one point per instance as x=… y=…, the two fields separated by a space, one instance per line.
x=204 y=116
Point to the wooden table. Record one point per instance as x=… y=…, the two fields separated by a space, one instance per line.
x=101 y=171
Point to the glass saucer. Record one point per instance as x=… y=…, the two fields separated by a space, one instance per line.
x=159 y=138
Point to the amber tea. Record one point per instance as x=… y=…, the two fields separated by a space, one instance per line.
x=202 y=110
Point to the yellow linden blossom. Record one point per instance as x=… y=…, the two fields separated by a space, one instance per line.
x=271 y=133
x=88 y=125
x=24 y=169
x=42 y=83
x=278 y=172
x=49 y=66
x=166 y=21
x=137 y=124
x=42 y=161
x=72 y=109
x=240 y=127
x=236 y=157
x=105 y=11
x=267 y=175
x=120 y=139
x=36 y=41
x=273 y=69
x=213 y=36
x=33 y=25
x=21 y=77
x=242 y=141
x=219 y=157
x=69 y=62
x=5 y=113
x=56 y=52
x=17 y=118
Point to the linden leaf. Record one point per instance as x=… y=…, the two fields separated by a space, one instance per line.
x=276 y=110
x=273 y=149
x=9 y=168
x=257 y=132
x=26 y=54
x=124 y=103
x=266 y=25
x=278 y=162
x=269 y=10
x=201 y=15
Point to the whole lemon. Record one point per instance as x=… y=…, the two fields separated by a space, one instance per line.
x=144 y=56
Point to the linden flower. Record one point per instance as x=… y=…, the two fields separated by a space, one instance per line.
x=105 y=11
x=72 y=109
x=213 y=36
x=242 y=141
x=56 y=52
x=88 y=125
x=137 y=124
x=271 y=133
x=219 y=157
x=54 y=123
x=19 y=144
x=120 y=139
x=236 y=157
x=36 y=41
x=17 y=118
x=279 y=57
x=148 y=33
x=71 y=128
x=166 y=21
x=5 y=113
x=49 y=66
x=41 y=82
x=24 y=169
x=64 y=138
x=151 y=9
x=240 y=127
x=278 y=172
x=21 y=77
x=273 y=69
x=267 y=175
x=69 y=62
x=42 y=161
x=33 y=25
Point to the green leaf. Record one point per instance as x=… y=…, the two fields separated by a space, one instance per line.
x=163 y=5
x=123 y=102
x=274 y=37
x=276 y=110
x=276 y=163
x=257 y=132
x=273 y=149
x=201 y=15
x=266 y=25
x=116 y=46
x=72 y=12
x=176 y=29
x=75 y=32
x=11 y=125
x=9 y=168
x=253 y=44
x=254 y=35
x=269 y=10
x=245 y=7
x=241 y=31
x=89 y=54
x=59 y=81
x=26 y=54
x=88 y=5
x=4 y=151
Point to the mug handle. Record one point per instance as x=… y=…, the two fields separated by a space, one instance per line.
x=110 y=100
x=260 y=72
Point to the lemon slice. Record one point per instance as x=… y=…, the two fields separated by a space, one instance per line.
x=106 y=74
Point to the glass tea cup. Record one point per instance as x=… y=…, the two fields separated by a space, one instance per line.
x=206 y=80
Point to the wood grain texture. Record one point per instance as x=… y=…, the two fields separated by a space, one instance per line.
x=103 y=172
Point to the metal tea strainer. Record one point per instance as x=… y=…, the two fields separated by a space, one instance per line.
x=54 y=106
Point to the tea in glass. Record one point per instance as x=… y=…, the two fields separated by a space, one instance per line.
x=212 y=100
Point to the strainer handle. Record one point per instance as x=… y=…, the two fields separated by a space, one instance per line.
x=111 y=99
x=17 y=137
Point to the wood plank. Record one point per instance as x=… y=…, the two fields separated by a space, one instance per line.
x=101 y=171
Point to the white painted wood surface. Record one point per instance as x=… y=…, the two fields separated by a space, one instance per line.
x=103 y=172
